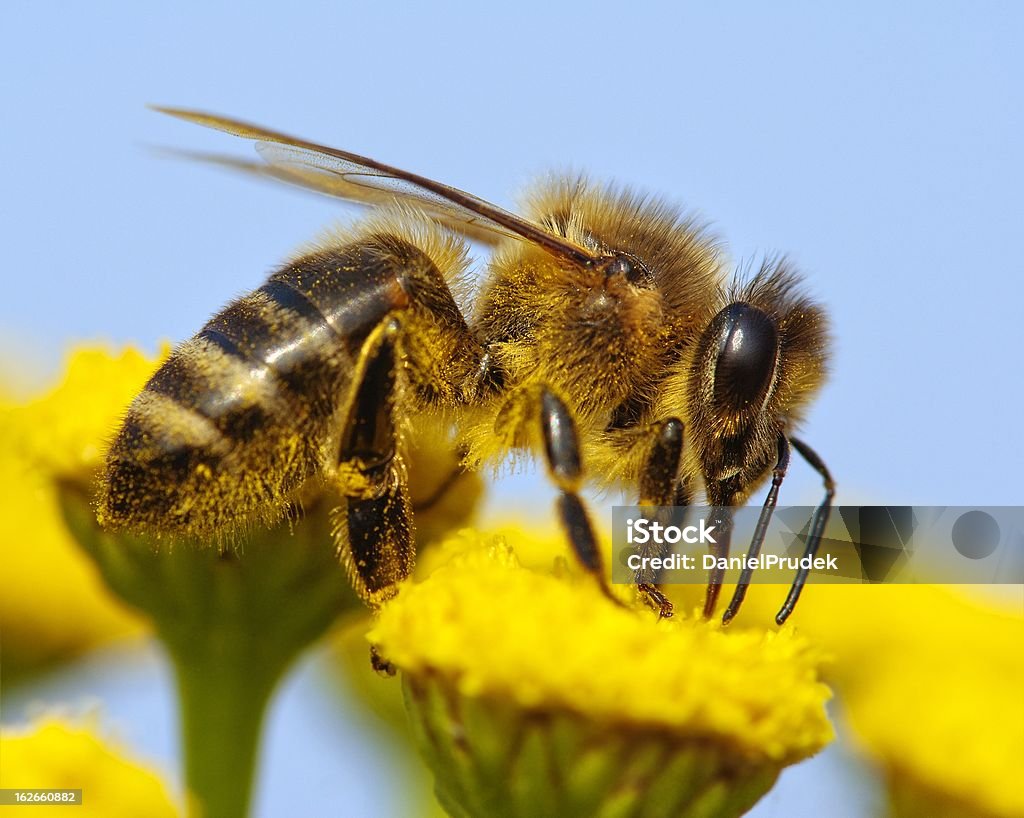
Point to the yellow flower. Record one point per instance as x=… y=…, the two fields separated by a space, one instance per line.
x=232 y=621
x=932 y=686
x=66 y=429
x=948 y=736
x=53 y=603
x=532 y=694
x=444 y=497
x=941 y=708
x=54 y=755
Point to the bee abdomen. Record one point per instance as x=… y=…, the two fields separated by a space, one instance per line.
x=352 y=288
x=212 y=440
x=239 y=416
x=233 y=422
x=285 y=340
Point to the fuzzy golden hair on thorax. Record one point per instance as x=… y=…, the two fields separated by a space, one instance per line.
x=684 y=257
x=599 y=340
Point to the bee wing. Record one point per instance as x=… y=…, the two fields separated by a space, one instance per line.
x=348 y=180
x=351 y=176
x=327 y=184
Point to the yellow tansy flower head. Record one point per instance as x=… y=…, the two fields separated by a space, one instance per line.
x=53 y=603
x=66 y=430
x=54 y=755
x=532 y=691
x=931 y=683
x=942 y=713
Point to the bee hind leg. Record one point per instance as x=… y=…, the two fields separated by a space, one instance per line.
x=373 y=525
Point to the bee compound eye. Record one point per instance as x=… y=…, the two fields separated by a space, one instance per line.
x=748 y=350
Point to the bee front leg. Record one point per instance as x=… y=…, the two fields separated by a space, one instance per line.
x=778 y=474
x=818 y=522
x=562 y=451
x=373 y=526
x=722 y=496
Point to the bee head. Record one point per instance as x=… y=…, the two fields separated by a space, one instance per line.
x=754 y=369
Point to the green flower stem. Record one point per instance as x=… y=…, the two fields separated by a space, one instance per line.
x=224 y=687
x=232 y=622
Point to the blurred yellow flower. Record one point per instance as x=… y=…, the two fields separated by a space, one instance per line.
x=932 y=685
x=941 y=705
x=53 y=603
x=532 y=691
x=54 y=755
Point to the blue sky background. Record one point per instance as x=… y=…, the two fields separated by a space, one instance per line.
x=878 y=144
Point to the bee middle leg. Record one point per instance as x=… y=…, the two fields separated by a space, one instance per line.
x=562 y=453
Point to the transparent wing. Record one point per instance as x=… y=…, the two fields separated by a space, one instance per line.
x=334 y=186
x=348 y=180
x=351 y=176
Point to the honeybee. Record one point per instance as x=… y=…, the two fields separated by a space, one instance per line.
x=605 y=333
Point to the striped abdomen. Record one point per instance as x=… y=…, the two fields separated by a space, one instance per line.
x=240 y=415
